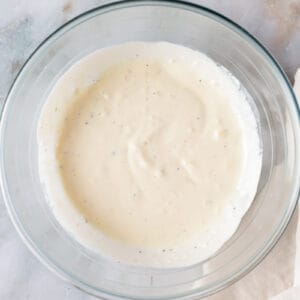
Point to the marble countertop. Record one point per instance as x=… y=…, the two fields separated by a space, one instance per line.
x=24 y=24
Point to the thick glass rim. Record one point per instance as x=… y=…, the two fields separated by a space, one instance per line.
x=274 y=237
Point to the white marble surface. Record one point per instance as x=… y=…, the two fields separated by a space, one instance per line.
x=24 y=24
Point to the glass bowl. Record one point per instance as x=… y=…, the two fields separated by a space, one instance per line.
x=192 y=26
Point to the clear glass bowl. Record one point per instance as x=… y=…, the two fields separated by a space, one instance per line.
x=198 y=28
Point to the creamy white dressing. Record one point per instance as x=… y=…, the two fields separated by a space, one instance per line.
x=149 y=153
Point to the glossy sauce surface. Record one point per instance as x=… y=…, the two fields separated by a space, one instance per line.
x=149 y=155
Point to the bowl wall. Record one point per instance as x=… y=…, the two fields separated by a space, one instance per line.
x=272 y=101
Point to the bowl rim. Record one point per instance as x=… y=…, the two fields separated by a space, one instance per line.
x=115 y=5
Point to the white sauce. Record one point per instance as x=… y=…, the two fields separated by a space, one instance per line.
x=149 y=153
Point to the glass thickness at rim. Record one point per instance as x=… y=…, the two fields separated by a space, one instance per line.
x=186 y=6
